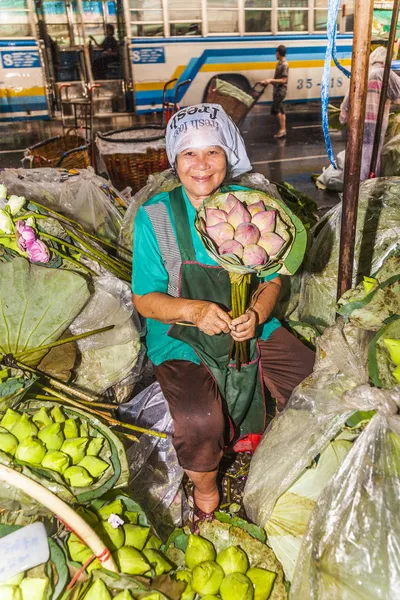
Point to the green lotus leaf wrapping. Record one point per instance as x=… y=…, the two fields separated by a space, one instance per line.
x=8 y=443
x=24 y=428
x=236 y=586
x=42 y=419
x=131 y=561
x=52 y=436
x=136 y=535
x=31 y=450
x=198 y=550
x=56 y=461
x=207 y=578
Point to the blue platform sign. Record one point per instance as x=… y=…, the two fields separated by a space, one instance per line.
x=20 y=59
x=141 y=56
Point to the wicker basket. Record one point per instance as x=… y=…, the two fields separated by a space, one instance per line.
x=233 y=105
x=132 y=168
x=67 y=151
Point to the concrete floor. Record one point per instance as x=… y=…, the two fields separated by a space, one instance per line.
x=292 y=159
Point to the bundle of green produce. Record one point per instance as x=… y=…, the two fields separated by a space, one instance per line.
x=301 y=204
x=250 y=233
x=376 y=299
x=377 y=235
x=225 y=562
x=393 y=129
x=45 y=236
x=70 y=452
x=384 y=355
x=123 y=527
x=44 y=582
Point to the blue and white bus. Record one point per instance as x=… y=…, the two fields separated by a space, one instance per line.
x=45 y=44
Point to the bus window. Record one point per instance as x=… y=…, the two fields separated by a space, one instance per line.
x=292 y=15
x=58 y=29
x=320 y=15
x=349 y=16
x=14 y=19
x=184 y=17
x=146 y=18
x=223 y=16
x=257 y=16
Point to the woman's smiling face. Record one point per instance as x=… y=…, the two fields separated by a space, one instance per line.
x=201 y=171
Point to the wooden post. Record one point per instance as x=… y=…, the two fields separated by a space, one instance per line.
x=363 y=10
x=385 y=84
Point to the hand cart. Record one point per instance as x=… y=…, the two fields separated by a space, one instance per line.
x=170 y=108
x=236 y=102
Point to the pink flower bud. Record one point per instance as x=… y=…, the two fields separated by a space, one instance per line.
x=256 y=208
x=214 y=216
x=230 y=202
x=231 y=247
x=25 y=235
x=220 y=233
x=271 y=242
x=247 y=233
x=265 y=221
x=254 y=255
x=38 y=252
x=238 y=215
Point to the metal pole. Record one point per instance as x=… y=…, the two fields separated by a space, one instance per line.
x=385 y=85
x=363 y=10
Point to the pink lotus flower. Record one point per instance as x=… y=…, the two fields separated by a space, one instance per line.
x=220 y=233
x=265 y=221
x=247 y=233
x=25 y=235
x=254 y=255
x=231 y=247
x=230 y=202
x=271 y=242
x=38 y=252
x=239 y=214
x=215 y=216
x=256 y=207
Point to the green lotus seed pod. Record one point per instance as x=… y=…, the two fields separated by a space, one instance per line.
x=77 y=477
x=56 y=461
x=8 y=443
x=207 y=578
x=236 y=586
x=84 y=429
x=131 y=561
x=24 y=428
x=198 y=550
x=98 y=591
x=95 y=446
x=75 y=448
x=131 y=517
x=77 y=549
x=263 y=582
x=125 y=595
x=11 y=417
x=233 y=560
x=70 y=429
x=113 y=537
x=34 y=588
x=88 y=516
x=95 y=466
x=158 y=561
x=153 y=542
x=186 y=576
x=41 y=418
x=136 y=536
x=113 y=508
x=10 y=592
x=31 y=450
x=52 y=436
x=57 y=414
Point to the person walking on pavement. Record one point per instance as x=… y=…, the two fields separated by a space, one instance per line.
x=279 y=82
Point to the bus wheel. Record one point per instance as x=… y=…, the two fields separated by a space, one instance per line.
x=237 y=80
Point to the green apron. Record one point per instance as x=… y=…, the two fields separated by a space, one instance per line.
x=242 y=391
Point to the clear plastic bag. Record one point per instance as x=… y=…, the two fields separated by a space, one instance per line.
x=377 y=234
x=156 y=475
x=331 y=178
x=314 y=415
x=84 y=197
x=351 y=548
x=110 y=357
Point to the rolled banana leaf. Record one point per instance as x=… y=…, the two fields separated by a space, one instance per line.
x=112 y=452
x=380 y=363
x=55 y=569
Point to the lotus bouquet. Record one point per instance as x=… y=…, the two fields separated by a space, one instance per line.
x=249 y=232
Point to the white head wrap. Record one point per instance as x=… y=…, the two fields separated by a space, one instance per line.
x=377 y=56
x=206 y=125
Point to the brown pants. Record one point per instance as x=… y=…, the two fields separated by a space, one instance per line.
x=196 y=405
